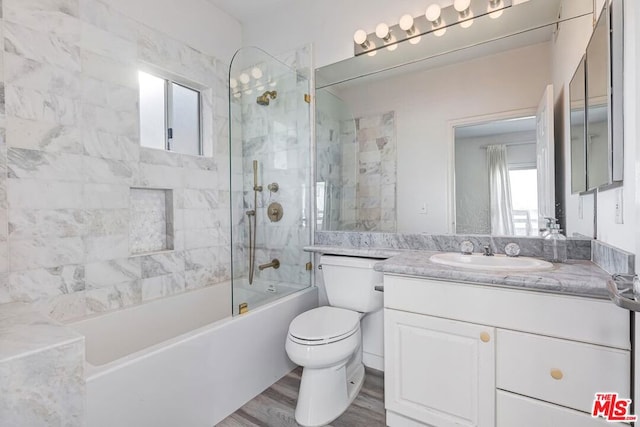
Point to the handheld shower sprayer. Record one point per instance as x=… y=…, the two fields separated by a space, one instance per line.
x=252 y=229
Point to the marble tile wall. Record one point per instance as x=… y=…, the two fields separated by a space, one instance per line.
x=69 y=146
x=376 y=178
x=611 y=259
x=361 y=193
x=41 y=378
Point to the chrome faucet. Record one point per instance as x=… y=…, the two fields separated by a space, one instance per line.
x=275 y=263
x=487 y=250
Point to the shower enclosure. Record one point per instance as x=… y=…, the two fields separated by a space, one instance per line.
x=270 y=154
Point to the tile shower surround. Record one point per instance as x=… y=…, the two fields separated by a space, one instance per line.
x=69 y=155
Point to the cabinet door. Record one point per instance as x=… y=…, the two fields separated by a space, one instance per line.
x=439 y=372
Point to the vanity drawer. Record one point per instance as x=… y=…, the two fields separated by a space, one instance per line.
x=565 y=372
x=515 y=410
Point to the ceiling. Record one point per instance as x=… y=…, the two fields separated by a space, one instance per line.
x=242 y=9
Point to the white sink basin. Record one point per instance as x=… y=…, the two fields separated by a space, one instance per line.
x=496 y=262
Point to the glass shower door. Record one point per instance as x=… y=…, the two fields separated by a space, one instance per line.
x=270 y=154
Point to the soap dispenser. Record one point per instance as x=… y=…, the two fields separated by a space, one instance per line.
x=554 y=245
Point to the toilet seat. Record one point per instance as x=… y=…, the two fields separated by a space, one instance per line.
x=324 y=325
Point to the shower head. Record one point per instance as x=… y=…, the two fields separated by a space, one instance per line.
x=265 y=97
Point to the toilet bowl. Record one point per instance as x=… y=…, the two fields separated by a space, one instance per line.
x=327 y=341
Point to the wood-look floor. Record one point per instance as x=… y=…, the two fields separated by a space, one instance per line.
x=276 y=405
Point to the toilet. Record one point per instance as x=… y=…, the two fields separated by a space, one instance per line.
x=327 y=341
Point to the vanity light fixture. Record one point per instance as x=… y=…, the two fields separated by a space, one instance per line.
x=360 y=38
x=434 y=15
x=436 y=20
x=382 y=31
x=465 y=16
x=406 y=24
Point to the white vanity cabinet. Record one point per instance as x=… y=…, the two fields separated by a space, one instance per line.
x=459 y=354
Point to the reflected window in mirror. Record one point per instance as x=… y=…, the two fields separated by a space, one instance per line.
x=597 y=136
x=497 y=193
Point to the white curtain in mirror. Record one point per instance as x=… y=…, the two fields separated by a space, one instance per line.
x=499 y=190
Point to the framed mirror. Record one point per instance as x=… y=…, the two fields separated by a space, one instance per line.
x=577 y=129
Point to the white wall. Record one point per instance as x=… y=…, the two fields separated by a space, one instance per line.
x=328 y=24
x=426 y=102
x=197 y=23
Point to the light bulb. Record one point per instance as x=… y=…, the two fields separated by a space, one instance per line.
x=244 y=78
x=440 y=32
x=372 y=53
x=256 y=73
x=393 y=46
x=433 y=13
x=406 y=23
x=360 y=37
x=493 y=5
x=467 y=23
x=382 y=31
x=461 y=5
x=233 y=83
x=415 y=40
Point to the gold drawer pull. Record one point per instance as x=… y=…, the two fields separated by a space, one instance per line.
x=556 y=374
x=485 y=337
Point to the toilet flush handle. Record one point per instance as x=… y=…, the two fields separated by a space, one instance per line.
x=379 y=288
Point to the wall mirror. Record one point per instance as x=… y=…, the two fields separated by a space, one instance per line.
x=577 y=128
x=388 y=126
x=603 y=137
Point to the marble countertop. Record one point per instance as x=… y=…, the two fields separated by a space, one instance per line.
x=24 y=330
x=575 y=277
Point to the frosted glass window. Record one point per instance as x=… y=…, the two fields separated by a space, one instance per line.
x=169 y=115
x=185 y=115
x=152 y=111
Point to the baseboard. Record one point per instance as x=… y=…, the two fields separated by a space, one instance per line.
x=373 y=361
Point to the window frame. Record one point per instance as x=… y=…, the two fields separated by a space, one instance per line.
x=170 y=80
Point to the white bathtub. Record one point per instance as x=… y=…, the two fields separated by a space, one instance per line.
x=183 y=361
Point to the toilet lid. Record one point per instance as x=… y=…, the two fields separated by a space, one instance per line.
x=324 y=323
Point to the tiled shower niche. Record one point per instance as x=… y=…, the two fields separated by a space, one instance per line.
x=151 y=224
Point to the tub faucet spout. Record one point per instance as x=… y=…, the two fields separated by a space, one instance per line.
x=275 y=263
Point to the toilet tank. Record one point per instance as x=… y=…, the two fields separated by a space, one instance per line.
x=350 y=282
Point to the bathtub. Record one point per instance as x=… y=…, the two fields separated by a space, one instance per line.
x=183 y=360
